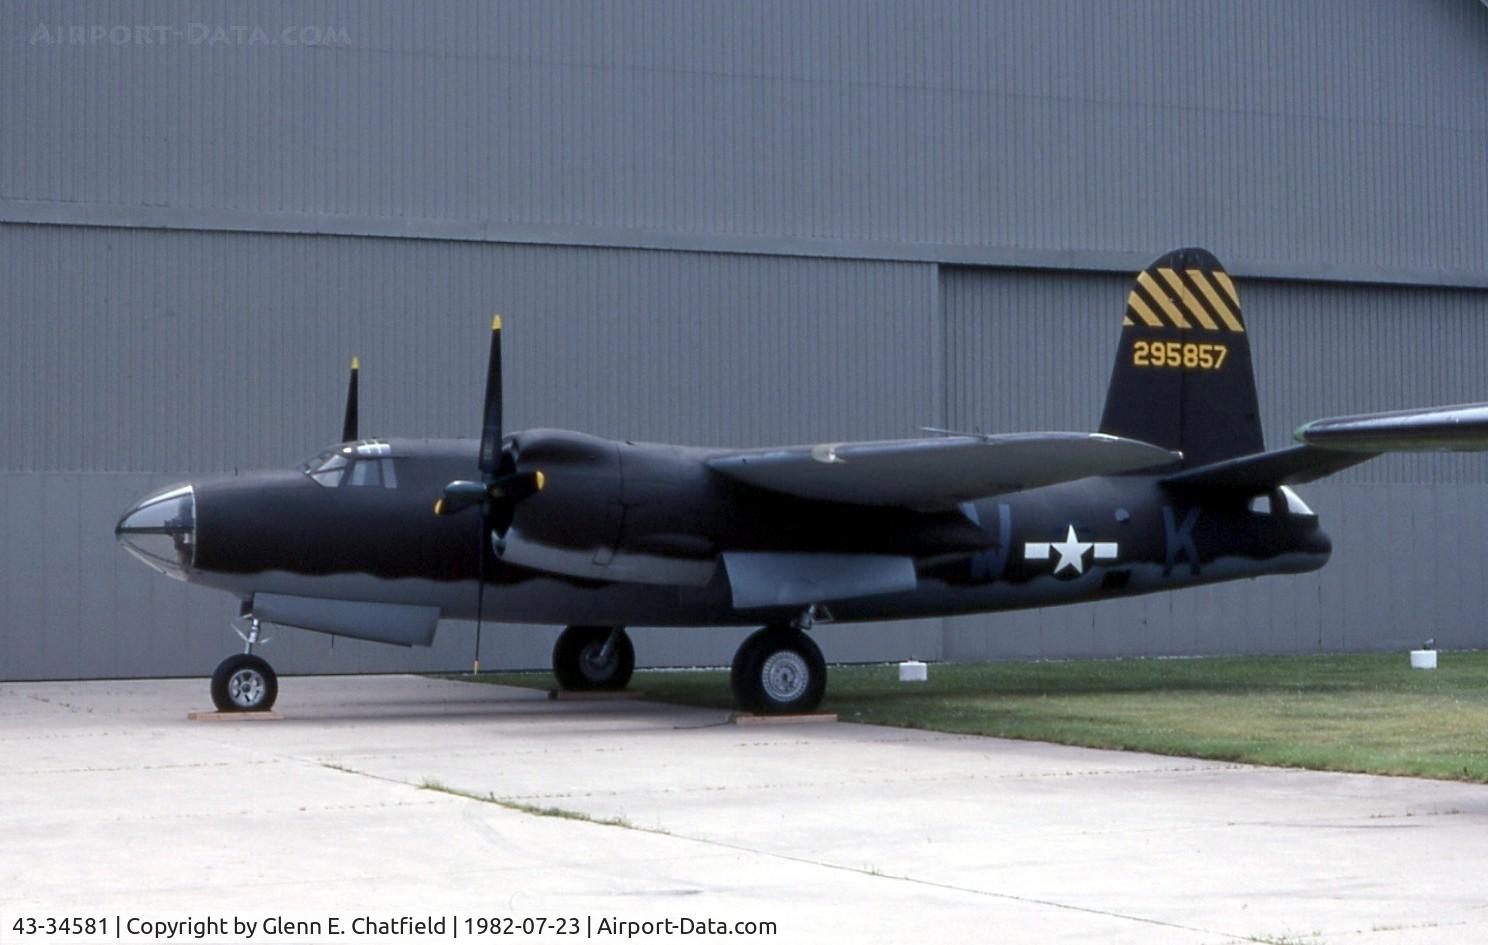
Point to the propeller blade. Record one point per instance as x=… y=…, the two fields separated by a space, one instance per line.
x=493 y=487
x=480 y=590
x=490 y=446
x=349 y=425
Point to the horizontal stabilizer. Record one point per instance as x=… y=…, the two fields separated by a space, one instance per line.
x=1262 y=472
x=938 y=472
x=791 y=579
x=1463 y=428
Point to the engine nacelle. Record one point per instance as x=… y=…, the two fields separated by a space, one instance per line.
x=597 y=515
x=579 y=508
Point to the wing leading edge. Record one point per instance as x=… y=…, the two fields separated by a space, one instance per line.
x=1463 y=427
x=937 y=472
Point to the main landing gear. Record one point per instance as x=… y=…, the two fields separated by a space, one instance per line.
x=779 y=670
x=244 y=682
x=593 y=658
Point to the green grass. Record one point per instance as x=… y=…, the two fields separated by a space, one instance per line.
x=562 y=813
x=1368 y=713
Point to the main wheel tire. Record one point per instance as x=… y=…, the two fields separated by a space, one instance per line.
x=778 y=670
x=244 y=683
x=577 y=663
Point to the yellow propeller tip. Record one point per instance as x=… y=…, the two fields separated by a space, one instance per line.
x=356 y=364
x=439 y=506
x=541 y=480
x=495 y=322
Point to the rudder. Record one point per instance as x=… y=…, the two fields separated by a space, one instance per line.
x=1183 y=378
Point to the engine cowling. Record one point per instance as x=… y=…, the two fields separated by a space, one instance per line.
x=598 y=515
x=579 y=510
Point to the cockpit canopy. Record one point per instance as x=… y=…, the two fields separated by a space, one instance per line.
x=364 y=463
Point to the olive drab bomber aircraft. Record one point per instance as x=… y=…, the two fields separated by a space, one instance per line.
x=380 y=539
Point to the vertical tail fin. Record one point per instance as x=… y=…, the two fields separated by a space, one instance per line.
x=1183 y=378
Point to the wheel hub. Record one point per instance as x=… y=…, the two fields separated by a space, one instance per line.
x=786 y=676
x=593 y=664
x=246 y=688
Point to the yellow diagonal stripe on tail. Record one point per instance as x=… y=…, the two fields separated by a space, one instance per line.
x=1160 y=296
x=1134 y=303
x=1191 y=304
x=1223 y=278
x=1220 y=304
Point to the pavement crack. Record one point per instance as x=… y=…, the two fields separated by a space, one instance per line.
x=951 y=887
x=621 y=823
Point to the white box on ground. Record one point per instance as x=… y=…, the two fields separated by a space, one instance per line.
x=1423 y=659
x=913 y=671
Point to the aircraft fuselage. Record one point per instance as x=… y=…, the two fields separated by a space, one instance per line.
x=372 y=539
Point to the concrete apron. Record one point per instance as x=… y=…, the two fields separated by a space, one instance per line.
x=112 y=802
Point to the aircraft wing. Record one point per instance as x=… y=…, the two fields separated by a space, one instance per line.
x=1462 y=427
x=1332 y=445
x=937 y=472
x=1261 y=472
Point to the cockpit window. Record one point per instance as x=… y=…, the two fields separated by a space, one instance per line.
x=1294 y=503
x=1283 y=499
x=373 y=472
x=364 y=464
x=365 y=473
x=327 y=468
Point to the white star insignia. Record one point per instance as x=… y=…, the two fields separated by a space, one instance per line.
x=1071 y=551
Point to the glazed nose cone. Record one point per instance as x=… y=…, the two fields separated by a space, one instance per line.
x=160 y=530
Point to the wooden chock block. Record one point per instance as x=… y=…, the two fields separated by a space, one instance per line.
x=215 y=716
x=594 y=695
x=749 y=718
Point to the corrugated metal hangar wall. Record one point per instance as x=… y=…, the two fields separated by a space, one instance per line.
x=735 y=224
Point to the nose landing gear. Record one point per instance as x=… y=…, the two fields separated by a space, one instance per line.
x=244 y=682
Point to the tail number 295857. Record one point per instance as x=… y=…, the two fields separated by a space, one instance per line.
x=1179 y=354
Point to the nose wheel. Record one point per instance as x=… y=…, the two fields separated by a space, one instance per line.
x=779 y=670
x=593 y=658
x=244 y=682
